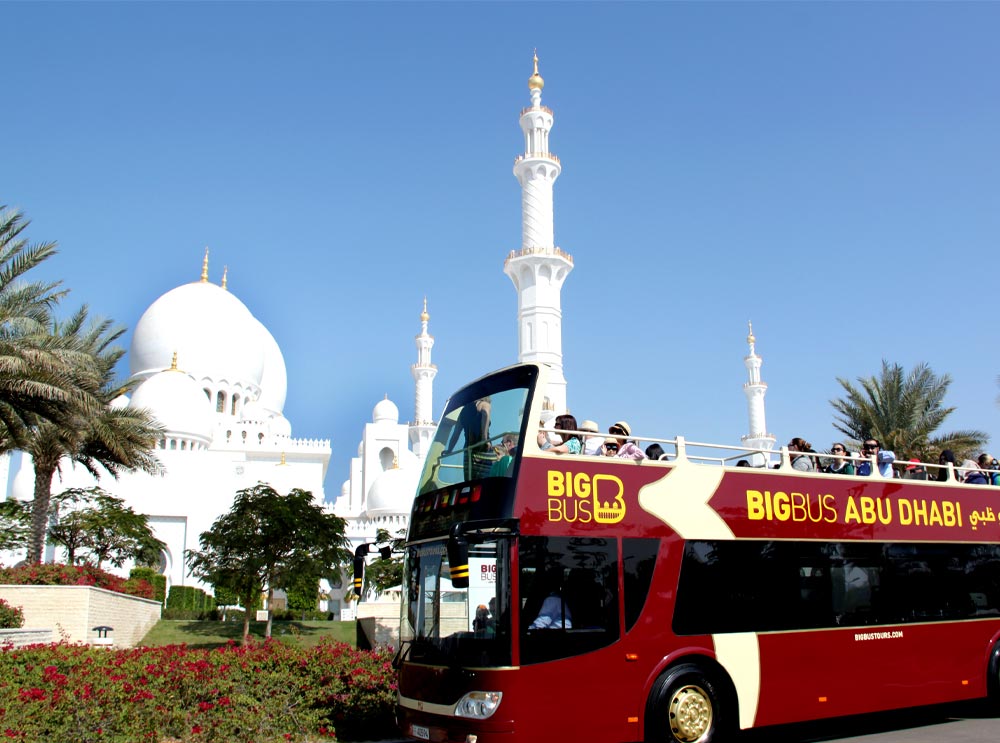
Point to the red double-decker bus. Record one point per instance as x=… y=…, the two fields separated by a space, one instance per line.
x=586 y=598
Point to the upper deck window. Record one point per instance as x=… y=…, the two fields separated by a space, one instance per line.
x=479 y=435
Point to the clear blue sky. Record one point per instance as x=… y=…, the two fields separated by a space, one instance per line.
x=829 y=171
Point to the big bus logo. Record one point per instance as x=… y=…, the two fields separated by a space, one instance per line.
x=576 y=497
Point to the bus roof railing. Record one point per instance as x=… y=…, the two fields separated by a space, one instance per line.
x=698 y=452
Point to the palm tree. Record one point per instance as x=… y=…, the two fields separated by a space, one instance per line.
x=902 y=411
x=34 y=379
x=98 y=436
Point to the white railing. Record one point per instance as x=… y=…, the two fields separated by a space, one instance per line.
x=679 y=450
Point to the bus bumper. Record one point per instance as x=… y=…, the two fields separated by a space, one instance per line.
x=441 y=729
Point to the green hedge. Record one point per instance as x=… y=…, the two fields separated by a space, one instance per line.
x=156 y=580
x=189 y=598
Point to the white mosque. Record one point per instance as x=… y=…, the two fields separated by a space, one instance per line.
x=215 y=378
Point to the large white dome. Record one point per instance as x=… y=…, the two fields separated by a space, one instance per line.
x=178 y=403
x=212 y=332
x=274 y=379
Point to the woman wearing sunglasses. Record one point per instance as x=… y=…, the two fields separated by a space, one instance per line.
x=839 y=466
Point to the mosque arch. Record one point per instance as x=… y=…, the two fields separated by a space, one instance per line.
x=386 y=457
x=220 y=402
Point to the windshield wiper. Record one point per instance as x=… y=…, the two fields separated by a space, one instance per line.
x=405 y=647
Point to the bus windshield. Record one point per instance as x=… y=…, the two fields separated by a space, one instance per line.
x=480 y=432
x=468 y=626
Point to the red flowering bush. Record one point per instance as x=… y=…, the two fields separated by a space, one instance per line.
x=268 y=693
x=55 y=574
x=11 y=617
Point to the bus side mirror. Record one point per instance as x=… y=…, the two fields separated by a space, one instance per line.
x=458 y=559
x=359 y=574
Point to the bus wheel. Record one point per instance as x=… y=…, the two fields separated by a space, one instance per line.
x=993 y=679
x=684 y=707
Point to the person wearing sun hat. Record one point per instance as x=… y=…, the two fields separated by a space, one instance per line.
x=627 y=449
x=592 y=444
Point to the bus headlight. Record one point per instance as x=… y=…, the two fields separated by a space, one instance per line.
x=478 y=704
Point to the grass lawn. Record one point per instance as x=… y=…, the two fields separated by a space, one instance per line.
x=199 y=634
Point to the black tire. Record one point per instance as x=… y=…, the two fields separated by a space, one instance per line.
x=993 y=681
x=687 y=705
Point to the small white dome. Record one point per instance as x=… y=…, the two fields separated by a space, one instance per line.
x=23 y=487
x=279 y=426
x=253 y=412
x=345 y=489
x=178 y=403
x=212 y=332
x=392 y=492
x=386 y=410
x=361 y=448
x=119 y=402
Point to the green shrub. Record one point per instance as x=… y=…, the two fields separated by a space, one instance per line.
x=158 y=581
x=11 y=617
x=188 y=598
x=313 y=615
x=191 y=614
x=268 y=693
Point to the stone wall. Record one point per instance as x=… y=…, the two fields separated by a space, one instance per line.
x=18 y=638
x=72 y=612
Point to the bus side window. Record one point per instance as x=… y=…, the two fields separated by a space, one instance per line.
x=638 y=561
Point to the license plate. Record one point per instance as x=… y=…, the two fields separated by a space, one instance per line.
x=419 y=731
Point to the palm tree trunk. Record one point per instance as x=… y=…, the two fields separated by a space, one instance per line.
x=40 y=511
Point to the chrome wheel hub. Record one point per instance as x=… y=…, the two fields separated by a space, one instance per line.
x=690 y=714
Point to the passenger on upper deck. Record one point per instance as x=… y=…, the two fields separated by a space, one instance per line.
x=592 y=444
x=987 y=462
x=506 y=455
x=883 y=458
x=839 y=466
x=798 y=449
x=947 y=457
x=915 y=471
x=973 y=475
x=610 y=447
x=627 y=449
x=571 y=442
x=654 y=451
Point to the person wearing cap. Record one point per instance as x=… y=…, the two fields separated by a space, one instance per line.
x=915 y=471
x=626 y=449
x=609 y=448
x=592 y=445
x=988 y=463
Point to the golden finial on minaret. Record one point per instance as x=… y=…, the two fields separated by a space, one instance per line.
x=424 y=317
x=173 y=363
x=535 y=82
x=204 y=267
x=282 y=463
x=750 y=338
x=225 y=272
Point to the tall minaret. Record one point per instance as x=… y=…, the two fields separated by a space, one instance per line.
x=539 y=268
x=422 y=428
x=754 y=389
